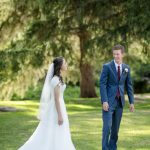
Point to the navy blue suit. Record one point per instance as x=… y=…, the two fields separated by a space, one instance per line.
x=109 y=85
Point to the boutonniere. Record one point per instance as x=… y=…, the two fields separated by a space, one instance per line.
x=126 y=70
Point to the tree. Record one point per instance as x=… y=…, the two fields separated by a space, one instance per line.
x=86 y=20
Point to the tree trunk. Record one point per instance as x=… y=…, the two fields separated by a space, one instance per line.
x=87 y=84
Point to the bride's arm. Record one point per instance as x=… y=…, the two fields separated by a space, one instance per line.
x=57 y=103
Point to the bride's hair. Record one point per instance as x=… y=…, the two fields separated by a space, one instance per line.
x=58 y=61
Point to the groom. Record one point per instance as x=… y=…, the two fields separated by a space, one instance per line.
x=115 y=76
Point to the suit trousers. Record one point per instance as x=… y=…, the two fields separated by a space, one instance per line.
x=111 y=124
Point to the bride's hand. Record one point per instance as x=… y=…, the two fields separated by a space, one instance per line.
x=60 y=120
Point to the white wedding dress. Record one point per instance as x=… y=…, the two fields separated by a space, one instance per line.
x=48 y=134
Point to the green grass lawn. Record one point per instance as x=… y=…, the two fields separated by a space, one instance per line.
x=85 y=123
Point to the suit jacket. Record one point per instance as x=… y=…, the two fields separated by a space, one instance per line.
x=109 y=83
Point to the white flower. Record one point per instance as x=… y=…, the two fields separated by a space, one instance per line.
x=126 y=70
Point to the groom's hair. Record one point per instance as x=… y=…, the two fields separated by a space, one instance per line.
x=118 y=47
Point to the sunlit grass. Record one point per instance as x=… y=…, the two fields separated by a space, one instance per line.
x=85 y=123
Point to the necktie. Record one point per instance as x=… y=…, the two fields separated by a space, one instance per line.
x=118 y=92
x=118 y=72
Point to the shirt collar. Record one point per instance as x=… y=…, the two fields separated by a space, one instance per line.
x=117 y=64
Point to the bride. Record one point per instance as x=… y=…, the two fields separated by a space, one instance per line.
x=53 y=131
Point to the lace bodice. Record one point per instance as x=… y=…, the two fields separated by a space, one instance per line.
x=56 y=82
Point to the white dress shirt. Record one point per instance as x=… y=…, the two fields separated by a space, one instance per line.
x=116 y=65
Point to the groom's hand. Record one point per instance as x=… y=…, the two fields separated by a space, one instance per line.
x=105 y=106
x=132 y=107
